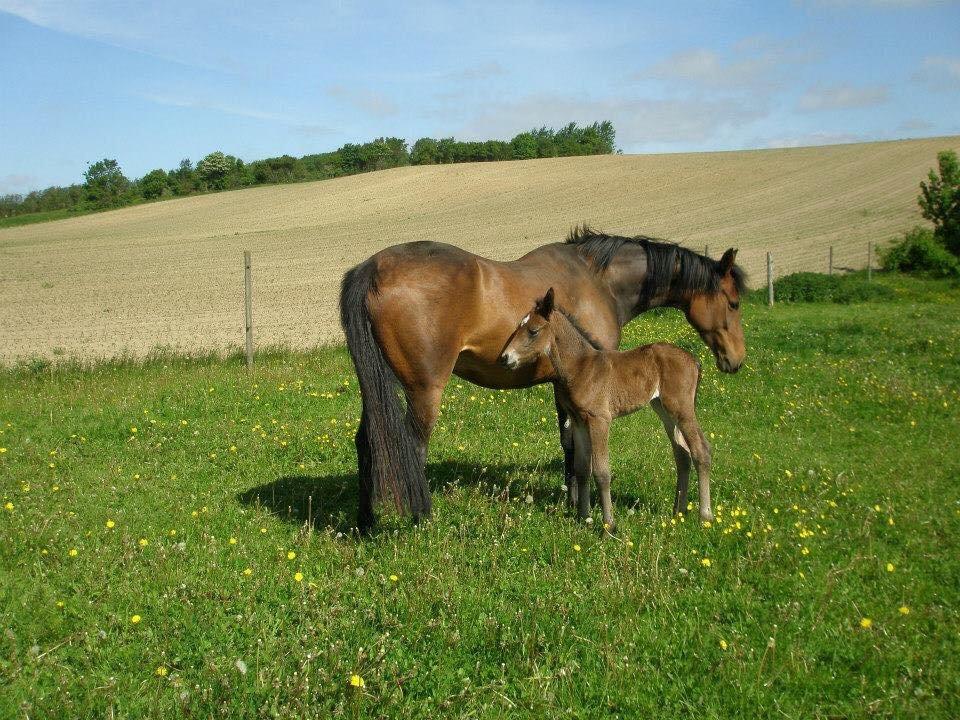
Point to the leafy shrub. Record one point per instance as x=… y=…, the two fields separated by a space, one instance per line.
x=817 y=287
x=920 y=253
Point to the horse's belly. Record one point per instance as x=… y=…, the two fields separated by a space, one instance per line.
x=481 y=371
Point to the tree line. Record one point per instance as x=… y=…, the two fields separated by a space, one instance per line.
x=105 y=185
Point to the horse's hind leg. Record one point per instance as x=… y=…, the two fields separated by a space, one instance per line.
x=566 y=442
x=365 y=515
x=681 y=457
x=423 y=407
x=702 y=458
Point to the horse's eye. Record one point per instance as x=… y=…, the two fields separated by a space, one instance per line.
x=734 y=305
x=533 y=333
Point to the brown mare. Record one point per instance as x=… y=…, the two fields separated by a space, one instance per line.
x=413 y=314
x=594 y=386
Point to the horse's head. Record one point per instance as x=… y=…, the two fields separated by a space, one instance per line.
x=532 y=337
x=716 y=316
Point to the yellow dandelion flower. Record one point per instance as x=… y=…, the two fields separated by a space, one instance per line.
x=263 y=530
x=133 y=430
x=161 y=671
x=866 y=623
x=248 y=572
x=394 y=578
x=110 y=523
x=723 y=644
x=904 y=610
x=172 y=532
x=233 y=541
x=143 y=542
x=706 y=562
x=73 y=552
x=298 y=576
x=291 y=555
x=890 y=567
x=357 y=681
x=134 y=619
x=8 y=506
x=576 y=548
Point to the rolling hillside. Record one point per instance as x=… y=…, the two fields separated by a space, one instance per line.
x=171 y=273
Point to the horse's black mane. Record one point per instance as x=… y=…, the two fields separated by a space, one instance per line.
x=669 y=266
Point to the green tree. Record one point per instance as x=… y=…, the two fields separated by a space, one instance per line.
x=424 y=152
x=213 y=170
x=940 y=200
x=524 y=146
x=153 y=184
x=105 y=183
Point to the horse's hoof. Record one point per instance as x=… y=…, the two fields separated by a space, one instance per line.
x=706 y=517
x=610 y=527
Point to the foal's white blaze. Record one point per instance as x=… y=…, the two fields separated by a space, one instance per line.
x=526 y=319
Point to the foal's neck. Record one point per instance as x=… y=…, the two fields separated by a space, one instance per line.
x=569 y=348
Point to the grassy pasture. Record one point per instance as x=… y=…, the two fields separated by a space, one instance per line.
x=155 y=558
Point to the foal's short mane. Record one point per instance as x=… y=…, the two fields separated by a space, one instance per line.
x=669 y=266
x=590 y=339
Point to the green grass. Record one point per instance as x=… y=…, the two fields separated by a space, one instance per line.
x=39 y=217
x=835 y=453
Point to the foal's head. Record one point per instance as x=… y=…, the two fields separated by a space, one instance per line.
x=532 y=337
x=716 y=316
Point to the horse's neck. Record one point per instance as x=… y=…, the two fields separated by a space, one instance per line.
x=625 y=277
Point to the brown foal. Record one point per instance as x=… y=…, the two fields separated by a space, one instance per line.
x=595 y=386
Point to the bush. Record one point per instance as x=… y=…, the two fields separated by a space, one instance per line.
x=920 y=253
x=817 y=287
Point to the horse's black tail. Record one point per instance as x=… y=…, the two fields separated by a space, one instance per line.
x=393 y=463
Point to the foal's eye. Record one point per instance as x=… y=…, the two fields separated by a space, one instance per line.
x=533 y=333
x=734 y=305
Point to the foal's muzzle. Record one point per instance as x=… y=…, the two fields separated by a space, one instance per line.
x=509 y=360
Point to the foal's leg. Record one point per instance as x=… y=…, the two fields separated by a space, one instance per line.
x=600 y=458
x=702 y=458
x=566 y=442
x=681 y=457
x=581 y=467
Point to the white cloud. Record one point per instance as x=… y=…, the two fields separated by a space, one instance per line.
x=17 y=183
x=238 y=111
x=940 y=72
x=368 y=101
x=639 y=122
x=915 y=125
x=755 y=63
x=812 y=139
x=842 y=97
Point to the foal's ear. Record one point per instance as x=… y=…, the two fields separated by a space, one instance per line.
x=545 y=304
x=728 y=260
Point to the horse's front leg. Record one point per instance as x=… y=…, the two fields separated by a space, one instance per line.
x=566 y=443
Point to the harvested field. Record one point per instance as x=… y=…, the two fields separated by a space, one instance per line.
x=170 y=274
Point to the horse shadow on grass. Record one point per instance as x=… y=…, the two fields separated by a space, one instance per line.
x=330 y=501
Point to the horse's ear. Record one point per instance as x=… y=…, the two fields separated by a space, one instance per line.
x=545 y=304
x=728 y=260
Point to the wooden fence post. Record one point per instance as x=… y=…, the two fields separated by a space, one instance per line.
x=869 y=261
x=769 y=280
x=830 y=262
x=248 y=307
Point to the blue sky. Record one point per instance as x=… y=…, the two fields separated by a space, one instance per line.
x=151 y=83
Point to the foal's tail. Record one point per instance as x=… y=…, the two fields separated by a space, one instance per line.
x=392 y=441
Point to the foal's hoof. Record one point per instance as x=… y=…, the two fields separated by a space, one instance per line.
x=706 y=517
